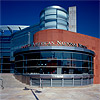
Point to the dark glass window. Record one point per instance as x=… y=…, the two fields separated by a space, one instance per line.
x=6 y=68
x=47 y=62
x=58 y=55
x=47 y=55
x=6 y=60
x=67 y=55
x=85 y=64
x=67 y=63
x=19 y=57
x=71 y=71
x=0 y=60
x=48 y=70
x=65 y=71
x=32 y=56
x=85 y=57
x=59 y=63
x=19 y=64
x=90 y=58
x=78 y=71
x=77 y=64
x=85 y=70
x=77 y=56
x=33 y=63
x=33 y=70
x=19 y=70
x=89 y=64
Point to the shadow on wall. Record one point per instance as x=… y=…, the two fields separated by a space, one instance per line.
x=23 y=79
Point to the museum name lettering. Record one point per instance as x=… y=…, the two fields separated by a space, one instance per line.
x=56 y=43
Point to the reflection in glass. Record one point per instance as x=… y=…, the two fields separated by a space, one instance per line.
x=77 y=64
x=60 y=26
x=67 y=55
x=50 y=17
x=60 y=13
x=77 y=56
x=48 y=62
x=50 y=11
x=53 y=23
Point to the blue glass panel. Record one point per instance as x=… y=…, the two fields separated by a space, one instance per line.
x=67 y=55
x=62 y=21
x=85 y=57
x=5 y=45
x=6 y=54
x=50 y=11
x=58 y=55
x=47 y=55
x=59 y=26
x=59 y=12
x=50 y=17
x=77 y=56
x=53 y=23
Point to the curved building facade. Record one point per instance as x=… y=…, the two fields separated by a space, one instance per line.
x=56 y=60
x=49 y=54
x=54 y=17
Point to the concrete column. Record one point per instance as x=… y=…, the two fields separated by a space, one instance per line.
x=30 y=81
x=72 y=19
x=62 y=82
x=51 y=82
x=87 y=81
x=59 y=70
x=91 y=81
x=81 y=81
x=73 y=81
x=40 y=82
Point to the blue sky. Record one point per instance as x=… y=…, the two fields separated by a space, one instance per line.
x=27 y=13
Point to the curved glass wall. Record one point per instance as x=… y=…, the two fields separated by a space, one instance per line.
x=54 y=62
x=54 y=17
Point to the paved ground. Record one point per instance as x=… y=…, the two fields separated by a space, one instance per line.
x=91 y=92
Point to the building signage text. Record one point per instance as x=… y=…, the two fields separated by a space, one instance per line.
x=55 y=43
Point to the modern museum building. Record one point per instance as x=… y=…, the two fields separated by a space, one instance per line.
x=50 y=53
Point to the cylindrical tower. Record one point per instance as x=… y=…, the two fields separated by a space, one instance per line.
x=54 y=17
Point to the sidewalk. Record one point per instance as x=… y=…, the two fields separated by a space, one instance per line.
x=91 y=92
